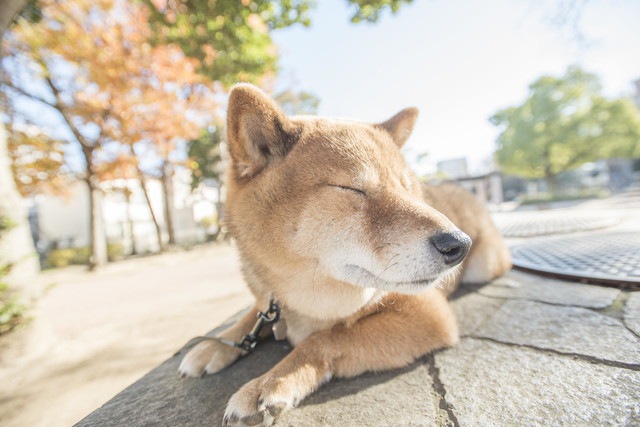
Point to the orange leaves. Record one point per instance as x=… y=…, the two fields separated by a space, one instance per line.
x=36 y=161
x=99 y=56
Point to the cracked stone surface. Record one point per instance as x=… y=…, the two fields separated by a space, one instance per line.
x=564 y=329
x=162 y=398
x=536 y=288
x=401 y=397
x=480 y=382
x=632 y=312
x=492 y=384
x=473 y=310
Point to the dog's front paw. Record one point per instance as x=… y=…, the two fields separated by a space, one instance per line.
x=260 y=402
x=208 y=357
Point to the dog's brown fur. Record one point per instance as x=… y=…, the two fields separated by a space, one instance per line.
x=328 y=218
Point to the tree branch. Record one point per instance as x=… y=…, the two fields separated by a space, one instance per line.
x=27 y=94
x=58 y=106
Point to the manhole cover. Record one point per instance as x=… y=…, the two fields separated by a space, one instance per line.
x=541 y=224
x=605 y=257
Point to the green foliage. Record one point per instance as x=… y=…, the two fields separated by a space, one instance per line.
x=209 y=221
x=370 y=10
x=64 y=257
x=564 y=123
x=293 y=102
x=545 y=198
x=11 y=310
x=6 y=224
x=231 y=38
x=205 y=156
x=57 y=258
x=115 y=251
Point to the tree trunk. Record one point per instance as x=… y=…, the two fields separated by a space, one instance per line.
x=143 y=184
x=552 y=183
x=16 y=244
x=8 y=10
x=222 y=228
x=134 y=249
x=97 y=238
x=167 y=196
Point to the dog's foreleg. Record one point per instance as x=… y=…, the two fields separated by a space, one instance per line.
x=397 y=332
x=209 y=357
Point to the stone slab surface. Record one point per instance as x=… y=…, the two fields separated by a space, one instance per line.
x=490 y=384
x=527 y=286
x=162 y=398
x=564 y=329
x=401 y=398
x=474 y=310
x=632 y=312
x=488 y=379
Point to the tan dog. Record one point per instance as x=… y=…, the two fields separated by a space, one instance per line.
x=328 y=217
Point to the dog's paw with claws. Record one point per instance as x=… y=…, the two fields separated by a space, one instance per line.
x=260 y=402
x=208 y=357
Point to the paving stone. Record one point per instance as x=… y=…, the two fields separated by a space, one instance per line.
x=528 y=286
x=487 y=383
x=473 y=310
x=565 y=329
x=632 y=312
x=401 y=397
x=161 y=398
x=490 y=384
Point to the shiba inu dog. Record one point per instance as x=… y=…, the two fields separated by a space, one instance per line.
x=330 y=220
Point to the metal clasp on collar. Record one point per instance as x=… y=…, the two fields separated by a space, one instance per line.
x=249 y=341
x=269 y=317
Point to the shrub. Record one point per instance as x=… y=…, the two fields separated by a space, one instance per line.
x=57 y=258
x=115 y=251
x=11 y=311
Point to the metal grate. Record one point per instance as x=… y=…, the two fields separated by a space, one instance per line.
x=544 y=224
x=604 y=257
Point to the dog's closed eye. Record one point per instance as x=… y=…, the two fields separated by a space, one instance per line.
x=347 y=188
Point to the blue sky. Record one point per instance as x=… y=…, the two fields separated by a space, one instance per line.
x=458 y=61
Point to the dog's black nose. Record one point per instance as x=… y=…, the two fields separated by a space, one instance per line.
x=453 y=246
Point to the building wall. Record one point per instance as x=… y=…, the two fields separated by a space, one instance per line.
x=64 y=221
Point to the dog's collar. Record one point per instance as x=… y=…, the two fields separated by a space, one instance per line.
x=270 y=317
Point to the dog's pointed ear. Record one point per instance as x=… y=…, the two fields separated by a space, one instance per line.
x=258 y=131
x=401 y=125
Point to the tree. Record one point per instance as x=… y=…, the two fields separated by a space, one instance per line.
x=111 y=88
x=231 y=38
x=205 y=156
x=16 y=246
x=563 y=123
x=37 y=161
x=293 y=102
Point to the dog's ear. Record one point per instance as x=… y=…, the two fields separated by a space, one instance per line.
x=257 y=129
x=401 y=125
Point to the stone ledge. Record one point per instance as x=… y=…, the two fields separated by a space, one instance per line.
x=511 y=367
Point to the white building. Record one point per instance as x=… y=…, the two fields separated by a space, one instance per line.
x=64 y=221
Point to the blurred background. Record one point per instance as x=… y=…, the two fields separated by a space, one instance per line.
x=112 y=140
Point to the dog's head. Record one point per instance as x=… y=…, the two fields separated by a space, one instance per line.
x=333 y=196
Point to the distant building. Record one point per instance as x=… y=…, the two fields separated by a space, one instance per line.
x=61 y=222
x=487 y=188
x=454 y=168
